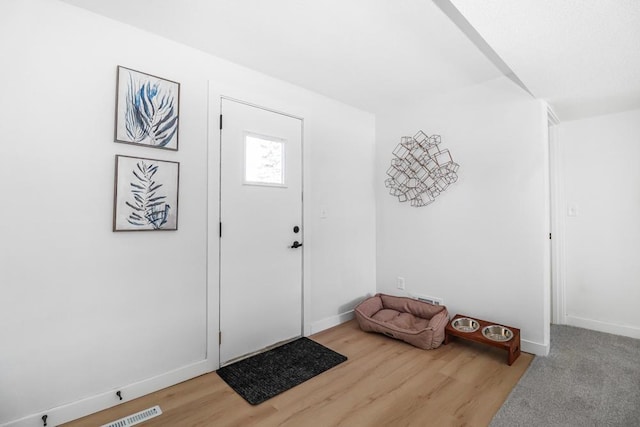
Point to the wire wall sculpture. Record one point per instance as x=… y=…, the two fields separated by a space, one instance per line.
x=420 y=170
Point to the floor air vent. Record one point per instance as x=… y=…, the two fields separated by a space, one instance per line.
x=136 y=418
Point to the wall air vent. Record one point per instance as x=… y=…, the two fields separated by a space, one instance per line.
x=136 y=418
x=430 y=300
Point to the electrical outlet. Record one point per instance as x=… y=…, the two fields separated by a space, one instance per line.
x=400 y=282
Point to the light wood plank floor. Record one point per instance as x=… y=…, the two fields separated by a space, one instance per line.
x=384 y=383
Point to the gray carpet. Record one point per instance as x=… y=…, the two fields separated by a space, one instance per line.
x=589 y=379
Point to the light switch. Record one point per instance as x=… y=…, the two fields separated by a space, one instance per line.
x=572 y=210
x=323 y=212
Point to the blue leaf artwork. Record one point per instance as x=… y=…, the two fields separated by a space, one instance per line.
x=146 y=194
x=147 y=110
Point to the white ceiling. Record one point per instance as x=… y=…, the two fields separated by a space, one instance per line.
x=372 y=54
x=583 y=56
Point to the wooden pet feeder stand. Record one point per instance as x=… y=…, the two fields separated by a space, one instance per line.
x=512 y=345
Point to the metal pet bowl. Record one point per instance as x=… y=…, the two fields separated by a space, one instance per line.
x=497 y=333
x=464 y=324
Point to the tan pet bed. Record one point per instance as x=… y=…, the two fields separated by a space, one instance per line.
x=416 y=322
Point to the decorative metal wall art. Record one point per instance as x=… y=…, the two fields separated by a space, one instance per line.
x=420 y=170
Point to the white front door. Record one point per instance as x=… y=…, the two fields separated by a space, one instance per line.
x=261 y=219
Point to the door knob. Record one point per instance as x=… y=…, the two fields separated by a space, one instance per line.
x=296 y=245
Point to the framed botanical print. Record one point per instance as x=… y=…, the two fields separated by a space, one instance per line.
x=147 y=110
x=146 y=194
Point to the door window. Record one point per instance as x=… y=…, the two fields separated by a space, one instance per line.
x=263 y=160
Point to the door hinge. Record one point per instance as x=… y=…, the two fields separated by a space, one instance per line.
x=219 y=337
x=220 y=229
x=549 y=236
x=220 y=121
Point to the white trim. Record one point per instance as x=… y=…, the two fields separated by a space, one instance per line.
x=534 y=348
x=527 y=346
x=552 y=117
x=306 y=236
x=250 y=97
x=72 y=411
x=213 y=221
x=610 y=328
x=558 y=281
x=546 y=212
x=257 y=104
x=330 y=322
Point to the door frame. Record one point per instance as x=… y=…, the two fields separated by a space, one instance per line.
x=557 y=218
x=265 y=100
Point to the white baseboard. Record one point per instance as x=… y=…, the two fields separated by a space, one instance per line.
x=72 y=411
x=330 y=322
x=610 y=328
x=534 y=348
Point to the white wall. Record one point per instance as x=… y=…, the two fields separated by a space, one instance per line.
x=483 y=244
x=600 y=177
x=85 y=311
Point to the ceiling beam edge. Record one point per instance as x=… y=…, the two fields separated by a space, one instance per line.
x=468 y=30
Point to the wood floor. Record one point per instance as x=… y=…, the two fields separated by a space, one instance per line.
x=384 y=383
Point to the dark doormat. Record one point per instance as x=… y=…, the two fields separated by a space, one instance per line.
x=268 y=374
